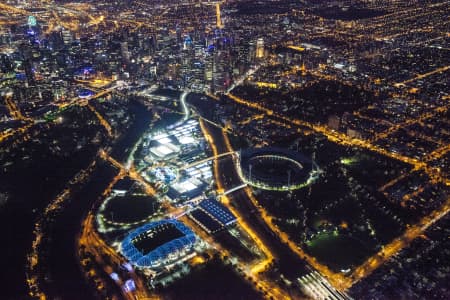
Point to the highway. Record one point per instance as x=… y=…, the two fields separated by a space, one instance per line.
x=83 y=101
x=253 y=270
x=422 y=76
x=95 y=245
x=16 y=114
x=129 y=172
x=10 y=133
x=102 y=121
x=241 y=79
x=13 y=9
x=14 y=111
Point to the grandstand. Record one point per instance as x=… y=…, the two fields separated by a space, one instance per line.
x=272 y=168
x=157 y=244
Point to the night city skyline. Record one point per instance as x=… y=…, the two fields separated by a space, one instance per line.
x=229 y=149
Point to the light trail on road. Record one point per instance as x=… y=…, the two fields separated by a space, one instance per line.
x=130 y=172
x=14 y=111
x=12 y=9
x=421 y=76
x=7 y=134
x=102 y=120
x=186 y=110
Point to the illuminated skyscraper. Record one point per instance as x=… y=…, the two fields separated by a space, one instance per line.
x=124 y=51
x=66 y=36
x=260 y=48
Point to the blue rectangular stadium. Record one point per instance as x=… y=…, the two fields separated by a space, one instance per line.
x=218 y=211
x=157 y=244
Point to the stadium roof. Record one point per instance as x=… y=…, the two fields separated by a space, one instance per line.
x=218 y=211
x=147 y=245
x=205 y=221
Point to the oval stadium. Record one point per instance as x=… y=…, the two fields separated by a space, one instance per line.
x=272 y=168
x=157 y=244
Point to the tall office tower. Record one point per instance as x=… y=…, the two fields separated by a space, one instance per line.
x=187 y=57
x=218 y=71
x=251 y=52
x=199 y=51
x=66 y=36
x=56 y=40
x=209 y=66
x=221 y=71
x=243 y=52
x=124 y=51
x=187 y=44
x=179 y=33
x=5 y=37
x=6 y=64
x=260 y=48
x=154 y=43
x=27 y=62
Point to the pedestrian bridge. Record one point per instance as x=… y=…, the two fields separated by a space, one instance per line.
x=236 y=188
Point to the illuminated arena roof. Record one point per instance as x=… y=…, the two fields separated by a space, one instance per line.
x=85 y=93
x=218 y=211
x=156 y=243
